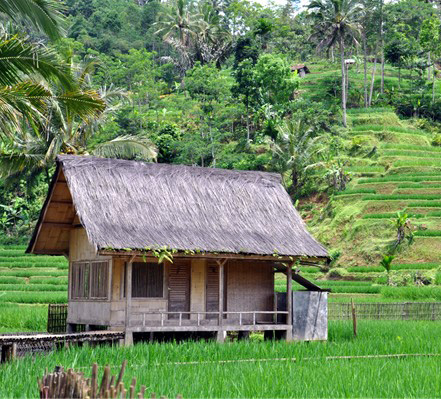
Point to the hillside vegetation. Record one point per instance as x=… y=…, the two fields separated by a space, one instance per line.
x=394 y=168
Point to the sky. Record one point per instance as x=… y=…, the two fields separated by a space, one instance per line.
x=280 y=2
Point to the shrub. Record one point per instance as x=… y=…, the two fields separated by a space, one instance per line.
x=436 y=140
x=337 y=272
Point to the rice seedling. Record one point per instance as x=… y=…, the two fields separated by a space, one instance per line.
x=390 y=215
x=372 y=110
x=356 y=191
x=427 y=233
x=394 y=129
x=365 y=169
x=32 y=272
x=417 y=162
x=410 y=147
x=418 y=186
x=33 y=287
x=428 y=204
x=354 y=289
x=343 y=283
x=388 y=197
x=33 y=297
x=11 y=280
x=32 y=317
x=395 y=266
x=398 y=178
x=436 y=214
x=408 y=153
x=42 y=280
x=237 y=370
x=412 y=293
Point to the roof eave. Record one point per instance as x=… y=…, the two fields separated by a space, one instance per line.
x=216 y=255
x=31 y=247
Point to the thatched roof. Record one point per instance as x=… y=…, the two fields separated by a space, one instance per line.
x=298 y=67
x=128 y=204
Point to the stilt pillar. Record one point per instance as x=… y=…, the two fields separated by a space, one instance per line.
x=288 y=335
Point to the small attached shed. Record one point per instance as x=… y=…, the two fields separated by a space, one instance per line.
x=301 y=69
x=166 y=248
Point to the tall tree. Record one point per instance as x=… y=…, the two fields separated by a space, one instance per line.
x=337 y=22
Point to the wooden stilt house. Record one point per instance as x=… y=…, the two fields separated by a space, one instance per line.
x=166 y=248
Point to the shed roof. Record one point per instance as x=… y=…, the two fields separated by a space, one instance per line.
x=128 y=204
x=299 y=66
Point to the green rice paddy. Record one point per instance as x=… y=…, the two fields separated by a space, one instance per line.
x=263 y=369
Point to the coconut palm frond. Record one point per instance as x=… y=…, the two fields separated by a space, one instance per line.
x=20 y=57
x=44 y=14
x=84 y=104
x=128 y=147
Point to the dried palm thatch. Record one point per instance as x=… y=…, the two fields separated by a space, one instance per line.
x=128 y=204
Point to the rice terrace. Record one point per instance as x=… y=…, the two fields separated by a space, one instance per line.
x=220 y=199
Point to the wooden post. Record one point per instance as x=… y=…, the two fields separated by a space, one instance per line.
x=128 y=339
x=354 y=317
x=221 y=333
x=289 y=302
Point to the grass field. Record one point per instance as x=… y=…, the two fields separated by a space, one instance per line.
x=263 y=369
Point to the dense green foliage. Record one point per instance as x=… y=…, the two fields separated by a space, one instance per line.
x=211 y=84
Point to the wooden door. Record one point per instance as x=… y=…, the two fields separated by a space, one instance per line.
x=179 y=288
x=212 y=289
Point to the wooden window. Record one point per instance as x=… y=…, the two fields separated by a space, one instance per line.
x=99 y=280
x=90 y=280
x=147 y=280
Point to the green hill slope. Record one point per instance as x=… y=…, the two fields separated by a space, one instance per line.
x=394 y=168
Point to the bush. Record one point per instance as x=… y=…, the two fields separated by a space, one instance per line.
x=337 y=273
x=436 y=140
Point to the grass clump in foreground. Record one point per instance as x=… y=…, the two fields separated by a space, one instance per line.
x=262 y=373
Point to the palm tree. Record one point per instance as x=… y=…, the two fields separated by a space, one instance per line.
x=197 y=34
x=337 y=22
x=68 y=129
x=178 y=26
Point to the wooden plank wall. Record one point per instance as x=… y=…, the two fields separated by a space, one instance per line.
x=250 y=286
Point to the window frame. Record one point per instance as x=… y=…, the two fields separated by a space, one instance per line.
x=145 y=264
x=88 y=266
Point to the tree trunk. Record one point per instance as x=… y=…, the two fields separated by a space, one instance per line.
x=365 y=69
x=372 y=81
x=428 y=66
x=332 y=54
x=343 y=80
x=433 y=84
x=382 y=45
x=248 y=124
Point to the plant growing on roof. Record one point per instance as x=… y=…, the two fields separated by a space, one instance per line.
x=164 y=254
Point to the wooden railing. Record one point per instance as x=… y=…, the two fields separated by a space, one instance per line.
x=198 y=321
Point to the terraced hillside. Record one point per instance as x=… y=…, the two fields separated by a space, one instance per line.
x=394 y=168
x=26 y=283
